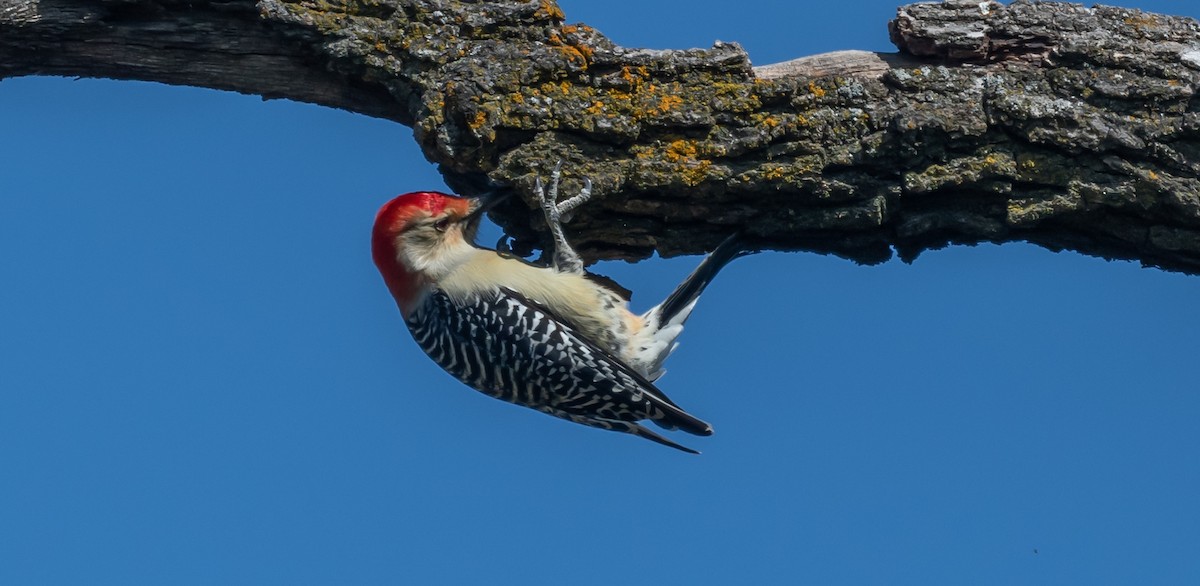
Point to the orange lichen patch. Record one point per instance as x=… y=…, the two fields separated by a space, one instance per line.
x=684 y=153
x=550 y=88
x=667 y=103
x=773 y=172
x=585 y=50
x=575 y=51
x=816 y=90
x=549 y=9
x=613 y=102
x=635 y=76
x=646 y=101
x=1151 y=175
x=681 y=151
x=695 y=174
x=575 y=55
x=478 y=120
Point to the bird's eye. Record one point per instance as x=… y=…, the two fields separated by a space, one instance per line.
x=441 y=224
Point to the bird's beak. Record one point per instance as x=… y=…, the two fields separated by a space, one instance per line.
x=483 y=204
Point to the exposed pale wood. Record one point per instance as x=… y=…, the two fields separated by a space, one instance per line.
x=836 y=64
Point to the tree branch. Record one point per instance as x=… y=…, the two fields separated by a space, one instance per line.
x=1069 y=127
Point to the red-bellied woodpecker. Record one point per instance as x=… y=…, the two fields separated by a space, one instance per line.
x=548 y=338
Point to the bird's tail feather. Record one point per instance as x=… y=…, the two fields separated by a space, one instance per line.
x=682 y=299
x=642 y=432
x=665 y=321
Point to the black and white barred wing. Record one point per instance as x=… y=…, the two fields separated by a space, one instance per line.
x=516 y=350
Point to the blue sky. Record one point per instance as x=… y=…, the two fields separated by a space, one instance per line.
x=203 y=380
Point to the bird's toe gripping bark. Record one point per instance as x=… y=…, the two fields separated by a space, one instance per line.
x=557 y=213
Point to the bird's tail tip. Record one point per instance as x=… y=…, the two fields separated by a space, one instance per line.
x=642 y=432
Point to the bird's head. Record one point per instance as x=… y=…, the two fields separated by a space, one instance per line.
x=421 y=236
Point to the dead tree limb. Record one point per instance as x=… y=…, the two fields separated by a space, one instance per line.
x=1070 y=127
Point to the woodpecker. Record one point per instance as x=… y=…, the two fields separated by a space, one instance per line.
x=545 y=337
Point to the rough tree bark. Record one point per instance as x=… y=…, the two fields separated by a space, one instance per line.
x=1070 y=127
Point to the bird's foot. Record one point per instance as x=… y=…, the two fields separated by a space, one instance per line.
x=557 y=213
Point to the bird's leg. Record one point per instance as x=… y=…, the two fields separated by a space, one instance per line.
x=565 y=259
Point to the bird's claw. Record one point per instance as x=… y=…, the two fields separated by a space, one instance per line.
x=558 y=213
x=566 y=208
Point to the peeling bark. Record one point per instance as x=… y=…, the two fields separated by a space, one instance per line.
x=1070 y=127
